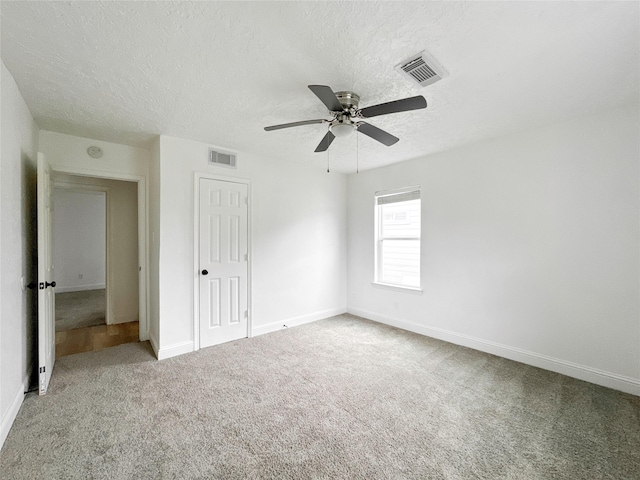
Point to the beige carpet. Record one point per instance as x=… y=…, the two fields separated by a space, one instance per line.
x=80 y=309
x=339 y=398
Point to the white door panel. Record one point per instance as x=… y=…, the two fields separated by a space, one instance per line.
x=46 y=283
x=223 y=246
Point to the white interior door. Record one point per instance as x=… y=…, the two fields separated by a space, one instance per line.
x=46 y=284
x=223 y=259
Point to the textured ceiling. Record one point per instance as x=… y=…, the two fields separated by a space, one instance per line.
x=218 y=72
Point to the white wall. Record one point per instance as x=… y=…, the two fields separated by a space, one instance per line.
x=68 y=154
x=79 y=239
x=529 y=250
x=122 y=242
x=298 y=221
x=19 y=147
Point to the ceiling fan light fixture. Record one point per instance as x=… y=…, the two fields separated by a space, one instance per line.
x=342 y=129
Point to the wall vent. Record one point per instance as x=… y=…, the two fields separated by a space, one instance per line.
x=222 y=159
x=422 y=69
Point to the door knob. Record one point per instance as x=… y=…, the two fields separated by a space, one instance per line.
x=47 y=284
x=205 y=272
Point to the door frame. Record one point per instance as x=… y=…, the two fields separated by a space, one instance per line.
x=108 y=280
x=143 y=244
x=196 y=250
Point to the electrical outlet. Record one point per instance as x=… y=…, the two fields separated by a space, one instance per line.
x=395 y=305
x=80 y=276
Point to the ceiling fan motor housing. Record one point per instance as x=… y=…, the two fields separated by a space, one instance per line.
x=348 y=99
x=342 y=125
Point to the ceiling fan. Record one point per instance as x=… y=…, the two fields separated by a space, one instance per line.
x=343 y=107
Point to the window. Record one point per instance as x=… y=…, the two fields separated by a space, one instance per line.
x=398 y=238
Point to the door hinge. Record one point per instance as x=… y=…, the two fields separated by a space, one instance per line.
x=246 y=314
x=43 y=379
x=246 y=257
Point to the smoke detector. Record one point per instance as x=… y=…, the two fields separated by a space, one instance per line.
x=422 y=69
x=95 y=152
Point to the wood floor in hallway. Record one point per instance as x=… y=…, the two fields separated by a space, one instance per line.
x=99 y=337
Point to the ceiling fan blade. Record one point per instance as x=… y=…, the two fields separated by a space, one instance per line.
x=404 y=105
x=295 y=124
x=377 y=134
x=326 y=96
x=325 y=142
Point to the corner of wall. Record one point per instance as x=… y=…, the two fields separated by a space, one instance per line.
x=153 y=243
x=154 y=343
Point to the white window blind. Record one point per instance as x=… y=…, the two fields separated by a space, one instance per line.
x=383 y=199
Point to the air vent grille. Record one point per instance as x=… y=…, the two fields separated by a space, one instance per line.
x=222 y=159
x=422 y=69
x=419 y=70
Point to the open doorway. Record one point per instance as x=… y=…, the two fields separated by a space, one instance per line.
x=80 y=257
x=95 y=225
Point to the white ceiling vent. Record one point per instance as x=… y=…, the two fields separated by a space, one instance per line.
x=422 y=69
x=222 y=159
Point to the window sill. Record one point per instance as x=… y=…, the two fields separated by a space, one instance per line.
x=398 y=288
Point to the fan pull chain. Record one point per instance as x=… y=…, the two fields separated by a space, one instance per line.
x=327 y=160
x=357 y=153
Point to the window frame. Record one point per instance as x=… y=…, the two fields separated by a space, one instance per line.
x=378 y=238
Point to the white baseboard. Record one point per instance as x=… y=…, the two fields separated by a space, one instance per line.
x=174 y=350
x=295 y=321
x=154 y=344
x=79 y=288
x=12 y=412
x=581 y=372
